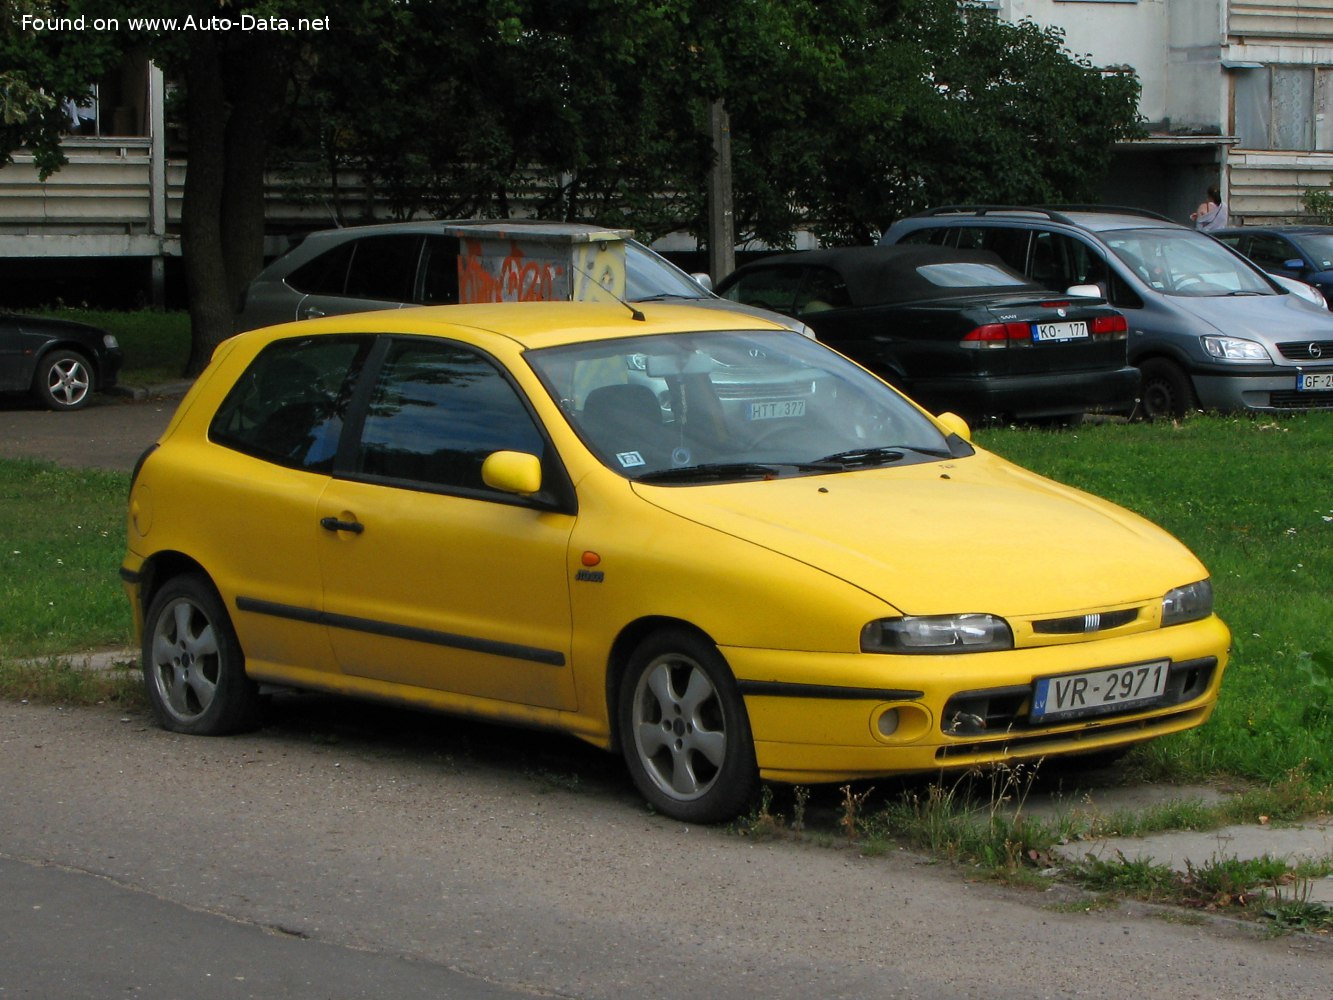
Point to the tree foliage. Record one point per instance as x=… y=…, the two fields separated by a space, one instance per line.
x=844 y=113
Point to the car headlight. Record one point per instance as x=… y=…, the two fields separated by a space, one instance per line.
x=110 y=342
x=1188 y=603
x=970 y=633
x=1235 y=349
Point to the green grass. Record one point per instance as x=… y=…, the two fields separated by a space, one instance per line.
x=156 y=343
x=63 y=543
x=1250 y=497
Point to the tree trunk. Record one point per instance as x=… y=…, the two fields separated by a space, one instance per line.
x=232 y=92
x=206 y=114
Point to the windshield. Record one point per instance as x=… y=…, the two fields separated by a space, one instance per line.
x=706 y=407
x=1183 y=262
x=648 y=275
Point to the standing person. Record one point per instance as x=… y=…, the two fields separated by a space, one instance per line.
x=1212 y=213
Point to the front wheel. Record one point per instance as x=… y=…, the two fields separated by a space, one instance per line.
x=684 y=731
x=64 y=381
x=193 y=666
x=1166 y=393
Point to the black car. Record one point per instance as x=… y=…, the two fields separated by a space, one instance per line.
x=954 y=329
x=60 y=362
x=1301 y=252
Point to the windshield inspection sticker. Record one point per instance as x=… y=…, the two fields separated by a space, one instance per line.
x=629 y=459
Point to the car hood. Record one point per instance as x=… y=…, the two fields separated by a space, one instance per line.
x=971 y=535
x=1266 y=318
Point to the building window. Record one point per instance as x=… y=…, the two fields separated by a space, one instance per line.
x=1283 y=107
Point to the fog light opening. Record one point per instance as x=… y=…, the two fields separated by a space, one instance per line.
x=888 y=722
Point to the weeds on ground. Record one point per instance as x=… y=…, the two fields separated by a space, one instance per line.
x=63 y=683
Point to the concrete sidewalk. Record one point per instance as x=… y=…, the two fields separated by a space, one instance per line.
x=1179 y=850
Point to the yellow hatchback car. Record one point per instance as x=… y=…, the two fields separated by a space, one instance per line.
x=696 y=537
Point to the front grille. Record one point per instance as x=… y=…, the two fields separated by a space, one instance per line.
x=1004 y=711
x=1085 y=624
x=1307 y=350
x=1293 y=400
x=1037 y=743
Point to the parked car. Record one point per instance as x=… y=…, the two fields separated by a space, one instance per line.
x=1207 y=328
x=1304 y=253
x=487 y=510
x=59 y=362
x=392 y=265
x=954 y=329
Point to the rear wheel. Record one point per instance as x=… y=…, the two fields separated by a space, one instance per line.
x=193 y=666
x=684 y=731
x=64 y=381
x=1166 y=392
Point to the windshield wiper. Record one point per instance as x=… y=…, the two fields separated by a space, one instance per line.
x=875 y=456
x=711 y=472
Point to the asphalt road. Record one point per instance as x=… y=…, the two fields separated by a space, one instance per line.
x=111 y=432
x=348 y=851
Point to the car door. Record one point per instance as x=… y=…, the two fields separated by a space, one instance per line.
x=431 y=578
x=15 y=367
x=271 y=446
x=374 y=272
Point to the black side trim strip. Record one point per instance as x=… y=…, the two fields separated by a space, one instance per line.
x=129 y=575
x=513 y=651
x=779 y=689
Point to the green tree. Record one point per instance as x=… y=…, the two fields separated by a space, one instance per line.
x=844 y=113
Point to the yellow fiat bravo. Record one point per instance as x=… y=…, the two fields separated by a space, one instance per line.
x=689 y=535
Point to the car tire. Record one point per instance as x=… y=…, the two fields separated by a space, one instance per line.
x=684 y=730
x=194 y=670
x=64 y=381
x=1166 y=392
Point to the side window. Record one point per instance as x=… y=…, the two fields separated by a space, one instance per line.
x=939 y=237
x=769 y=288
x=439 y=271
x=326 y=274
x=384 y=268
x=1010 y=244
x=823 y=289
x=1271 y=252
x=289 y=406
x=970 y=238
x=1060 y=261
x=437 y=411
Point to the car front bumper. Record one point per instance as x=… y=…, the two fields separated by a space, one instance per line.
x=1270 y=389
x=817 y=717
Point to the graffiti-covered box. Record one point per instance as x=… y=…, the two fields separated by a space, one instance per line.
x=535 y=262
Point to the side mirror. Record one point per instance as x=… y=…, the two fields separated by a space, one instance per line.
x=512 y=472
x=703 y=279
x=1295 y=264
x=955 y=424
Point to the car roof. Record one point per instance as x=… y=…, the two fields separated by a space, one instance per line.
x=529 y=325
x=883 y=275
x=526 y=229
x=1290 y=229
x=1088 y=217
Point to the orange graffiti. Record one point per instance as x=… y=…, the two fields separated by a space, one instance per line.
x=517 y=278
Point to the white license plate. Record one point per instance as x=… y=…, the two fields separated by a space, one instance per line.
x=777 y=409
x=1097 y=692
x=1042 y=332
x=1321 y=382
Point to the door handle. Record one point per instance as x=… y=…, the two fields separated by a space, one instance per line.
x=334 y=524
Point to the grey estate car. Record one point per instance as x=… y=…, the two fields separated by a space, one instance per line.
x=390 y=265
x=1207 y=328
